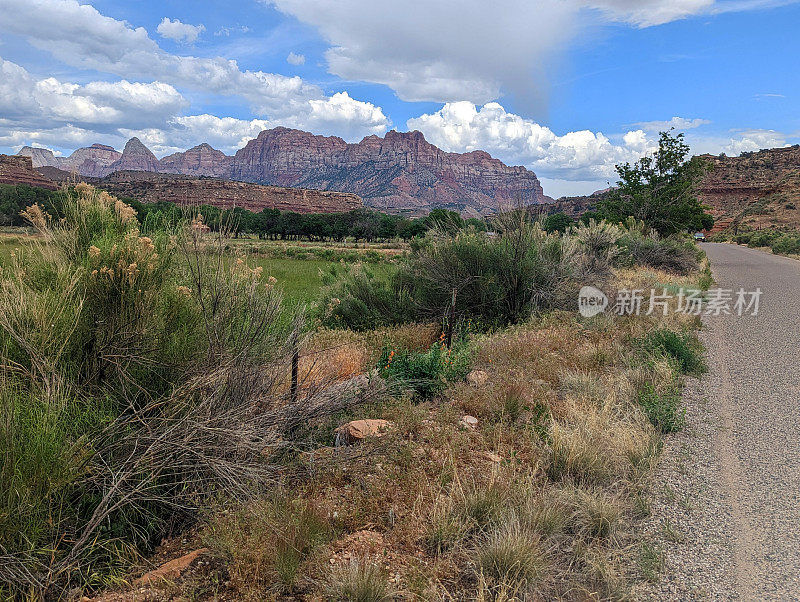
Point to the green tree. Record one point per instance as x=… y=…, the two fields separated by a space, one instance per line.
x=557 y=222
x=660 y=190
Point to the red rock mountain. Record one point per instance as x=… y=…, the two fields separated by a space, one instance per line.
x=92 y=161
x=400 y=173
x=202 y=160
x=135 y=157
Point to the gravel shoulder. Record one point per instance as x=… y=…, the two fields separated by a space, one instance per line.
x=726 y=496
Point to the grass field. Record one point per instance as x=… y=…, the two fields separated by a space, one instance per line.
x=300 y=279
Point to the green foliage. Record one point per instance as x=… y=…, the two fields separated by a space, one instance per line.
x=673 y=254
x=358 y=297
x=659 y=190
x=15 y=198
x=664 y=409
x=427 y=373
x=557 y=222
x=682 y=348
x=115 y=346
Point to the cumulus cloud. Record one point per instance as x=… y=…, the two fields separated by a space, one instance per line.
x=296 y=59
x=471 y=50
x=82 y=37
x=180 y=32
x=578 y=156
x=754 y=140
x=25 y=100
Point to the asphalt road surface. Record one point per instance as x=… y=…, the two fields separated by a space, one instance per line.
x=753 y=393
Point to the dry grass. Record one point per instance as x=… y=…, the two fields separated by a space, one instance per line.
x=537 y=502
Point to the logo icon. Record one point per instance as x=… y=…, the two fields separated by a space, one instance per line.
x=591 y=301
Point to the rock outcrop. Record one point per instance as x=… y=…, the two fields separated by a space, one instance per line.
x=756 y=190
x=19 y=170
x=202 y=160
x=400 y=173
x=151 y=187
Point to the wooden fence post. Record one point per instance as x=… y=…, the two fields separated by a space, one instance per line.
x=451 y=320
x=295 y=366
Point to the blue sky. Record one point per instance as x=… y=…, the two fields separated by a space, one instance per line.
x=567 y=88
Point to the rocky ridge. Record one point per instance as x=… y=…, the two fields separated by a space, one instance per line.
x=19 y=170
x=401 y=172
x=152 y=187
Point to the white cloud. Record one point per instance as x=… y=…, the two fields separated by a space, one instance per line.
x=755 y=139
x=79 y=35
x=296 y=59
x=582 y=155
x=473 y=50
x=180 y=32
x=646 y=13
x=440 y=51
x=679 y=123
x=24 y=100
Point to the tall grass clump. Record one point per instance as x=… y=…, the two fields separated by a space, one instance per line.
x=138 y=376
x=683 y=348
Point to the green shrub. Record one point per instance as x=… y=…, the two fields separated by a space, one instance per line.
x=682 y=348
x=664 y=409
x=788 y=244
x=426 y=373
x=358 y=297
x=135 y=371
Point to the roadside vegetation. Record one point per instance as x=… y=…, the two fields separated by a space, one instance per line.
x=780 y=242
x=441 y=426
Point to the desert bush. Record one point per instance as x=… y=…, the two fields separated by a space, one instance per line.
x=787 y=244
x=496 y=280
x=357 y=297
x=598 y=242
x=640 y=246
x=426 y=373
x=139 y=375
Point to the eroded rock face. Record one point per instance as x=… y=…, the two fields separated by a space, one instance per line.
x=19 y=170
x=399 y=173
x=150 y=187
x=135 y=157
x=92 y=161
x=202 y=160
x=769 y=178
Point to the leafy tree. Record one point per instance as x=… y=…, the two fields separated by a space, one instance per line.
x=660 y=190
x=557 y=222
x=449 y=221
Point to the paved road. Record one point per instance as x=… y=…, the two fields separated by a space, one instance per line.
x=755 y=384
x=727 y=504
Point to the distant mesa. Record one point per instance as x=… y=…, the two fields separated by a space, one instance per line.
x=399 y=173
x=19 y=170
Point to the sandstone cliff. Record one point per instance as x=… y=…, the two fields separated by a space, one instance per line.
x=755 y=190
x=19 y=170
x=400 y=172
x=150 y=187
